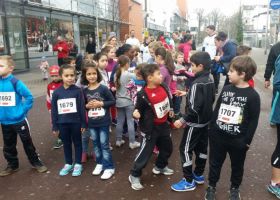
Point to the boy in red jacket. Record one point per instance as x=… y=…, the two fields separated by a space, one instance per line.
x=52 y=86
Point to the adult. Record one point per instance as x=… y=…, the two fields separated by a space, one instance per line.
x=229 y=49
x=132 y=40
x=186 y=47
x=91 y=46
x=176 y=39
x=62 y=49
x=73 y=48
x=111 y=41
x=193 y=40
x=209 y=41
x=144 y=48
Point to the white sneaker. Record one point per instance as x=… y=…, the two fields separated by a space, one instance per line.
x=119 y=143
x=97 y=170
x=108 y=173
x=134 y=145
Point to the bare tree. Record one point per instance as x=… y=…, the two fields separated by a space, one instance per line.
x=200 y=18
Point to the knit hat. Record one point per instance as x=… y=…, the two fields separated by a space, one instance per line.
x=54 y=70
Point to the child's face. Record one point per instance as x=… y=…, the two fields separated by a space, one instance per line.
x=138 y=75
x=68 y=77
x=112 y=53
x=73 y=63
x=152 y=52
x=196 y=68
x=91 y=75
x=155 y=78
x=5 y=69
x=180 y=59
x=103 y=62
x=55 y=78
x=234 y=76
x=159 y=59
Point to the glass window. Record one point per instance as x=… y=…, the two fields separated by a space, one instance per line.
x=3 y=46
x=61 y=25
x=87 y=30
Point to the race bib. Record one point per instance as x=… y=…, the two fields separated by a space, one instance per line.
x=96 y=112
x=66 y=106
x=51 y=93
x=162 y=108
x=229 y=114
x=7 y=99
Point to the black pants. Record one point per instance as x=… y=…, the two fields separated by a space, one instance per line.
x=60 y=61
x=275 y=158
x=194 y=140
x=71 y=133
x=220 y=145
x=10 y=133
x=162 y=139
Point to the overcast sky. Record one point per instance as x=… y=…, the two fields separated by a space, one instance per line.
x=227 y=7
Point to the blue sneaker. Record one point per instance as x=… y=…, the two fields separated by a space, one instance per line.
x=78 y=168
x=199 y=179
x=183 y=186
x=274 y=190
x=65 y=170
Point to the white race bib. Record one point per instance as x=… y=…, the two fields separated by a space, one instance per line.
x=229 y=114
x=162 y=108
x=65 y=106
x=96 y=112
x=7 y=99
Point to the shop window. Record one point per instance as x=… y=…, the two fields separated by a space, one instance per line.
x=3 y=46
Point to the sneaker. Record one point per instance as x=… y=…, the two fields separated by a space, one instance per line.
x=183 y=186
x=77 y=171
x=8 y=171
x=134 y=145
x=135 y=183
x=58 y=144
x=65 y=170
x=40 y=167
x=108 y=173
x=166 y=171
x=97 y=170
x=198 y=179
x=119 y=143
x=216 y=92
x=114 y=122
x=274 y=190
x=234 y=194
x=210 y=193
x=84 y=157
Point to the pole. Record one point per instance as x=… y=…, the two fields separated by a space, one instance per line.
x=97 y=26
x=146 y=15
x=266 y=30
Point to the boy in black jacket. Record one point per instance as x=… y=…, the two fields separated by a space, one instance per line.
x=195 y=138
x=153 y=107
x=233 y=125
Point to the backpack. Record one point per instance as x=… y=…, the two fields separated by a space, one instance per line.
x=14 y=82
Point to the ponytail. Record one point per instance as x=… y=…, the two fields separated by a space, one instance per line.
x=167 y=57
x=122 y=61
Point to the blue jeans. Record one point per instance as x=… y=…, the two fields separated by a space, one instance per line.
x=100 y=137
x=122 y=113
x=85 y=141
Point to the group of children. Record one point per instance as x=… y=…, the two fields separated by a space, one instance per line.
x=146 y=97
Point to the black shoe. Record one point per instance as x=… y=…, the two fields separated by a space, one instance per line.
x=8 y=171
x=40 y=167
x=234 y=194
x=210 y=193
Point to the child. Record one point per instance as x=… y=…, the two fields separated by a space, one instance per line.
x=98 y=101
x=68 y=119
x=153 y=107
x=44 y=66
x=152 y=47
x=124 y=103
x=52 y=86
x=233 y=125
x=13 y=113
x=195 y=138
x=180 y=79
x=101 y=60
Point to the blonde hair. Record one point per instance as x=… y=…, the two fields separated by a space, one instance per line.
x=9 y=60
x=155 y=45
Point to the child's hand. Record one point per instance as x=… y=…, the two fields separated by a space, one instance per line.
x=89 y=105
x=56 y=133
x=171 y=114
x=97 y=104
x=113 y=89
x=178 y=124
x=136 y=114
x=59 y=48
x=180 y=93
x=83 y=130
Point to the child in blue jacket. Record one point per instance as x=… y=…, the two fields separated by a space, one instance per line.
x=15 y=102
